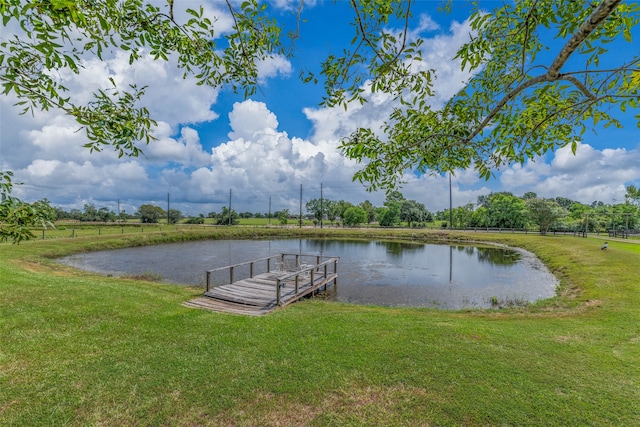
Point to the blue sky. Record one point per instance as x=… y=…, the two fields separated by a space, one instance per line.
x=211 y=141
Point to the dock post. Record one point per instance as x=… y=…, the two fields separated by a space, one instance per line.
x=208 y=280
x=325 y=277
x=311 y=284
x=230 y=274
x=251 y=270
x=278 y=292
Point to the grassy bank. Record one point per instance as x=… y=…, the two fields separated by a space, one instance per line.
x=82 y=349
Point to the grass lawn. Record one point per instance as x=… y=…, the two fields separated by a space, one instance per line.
x=85 y=229
x=80 y=349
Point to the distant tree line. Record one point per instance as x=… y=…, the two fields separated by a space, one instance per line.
x=396 y=209
x=495 y=210
x=504 y=210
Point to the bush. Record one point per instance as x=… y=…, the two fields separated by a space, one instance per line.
x=196 y=220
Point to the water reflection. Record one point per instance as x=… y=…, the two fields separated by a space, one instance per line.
x=399 y=248
x=376 y=272
x=497 y=257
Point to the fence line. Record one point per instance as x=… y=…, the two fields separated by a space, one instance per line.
x=85 y=229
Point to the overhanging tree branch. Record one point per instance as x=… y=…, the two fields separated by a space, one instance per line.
x=604 y=9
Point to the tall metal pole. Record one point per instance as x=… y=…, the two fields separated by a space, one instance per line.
x=168 y=209
x=229 y=206
x=586 y=226
x=626 y=228
x=269 y=216
x=300 y=224
x=450 y=204
x=321 y=207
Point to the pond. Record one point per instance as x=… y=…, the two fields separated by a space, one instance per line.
x=376 y=272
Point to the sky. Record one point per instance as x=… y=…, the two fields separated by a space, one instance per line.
x=213 y=145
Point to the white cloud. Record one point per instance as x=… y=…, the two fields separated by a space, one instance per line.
x=249 y=118
x=438 y=54
x=70 y=183
x=261 y=161
x=427 y=23
x=588 y=175
x=186 y=150
x=273 y=67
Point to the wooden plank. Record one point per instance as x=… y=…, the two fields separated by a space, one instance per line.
x=242 y=297
x=245 y=291
x=214 y=305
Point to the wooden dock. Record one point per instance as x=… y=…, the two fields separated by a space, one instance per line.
x=266 y=284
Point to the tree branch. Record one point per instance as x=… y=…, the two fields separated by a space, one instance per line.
x=577 y=83
x=370 y=43
x=363 y=30
x=526 y=35
x=603 y=10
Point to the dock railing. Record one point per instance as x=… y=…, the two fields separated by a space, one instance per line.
x=288 y=267
x=318 y=275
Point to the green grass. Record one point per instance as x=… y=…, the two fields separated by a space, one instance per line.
x=274 y=222
x=79 y=229
x=81 y=349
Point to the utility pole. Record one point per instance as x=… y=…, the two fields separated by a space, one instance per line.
x=269 y=216
x=300 y=224
x=168 y=209
x=626 y=227
x=229 y=206
x=586 y=226
x=321 y=207
x=450 y=204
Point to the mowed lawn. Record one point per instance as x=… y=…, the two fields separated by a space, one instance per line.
x=78 y=349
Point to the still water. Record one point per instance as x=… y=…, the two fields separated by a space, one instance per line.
x=389 y=273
